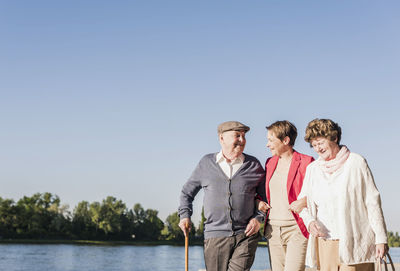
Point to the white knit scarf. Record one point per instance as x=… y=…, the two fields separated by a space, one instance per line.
x=332 y=165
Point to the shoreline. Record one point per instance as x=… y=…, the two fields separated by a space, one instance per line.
x=95 y=242
x=111 y=242
x=106 y=243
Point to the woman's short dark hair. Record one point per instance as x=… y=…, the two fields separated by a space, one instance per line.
x=282 y=129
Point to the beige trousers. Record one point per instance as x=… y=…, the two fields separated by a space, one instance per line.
x=328 y=252
x=287 y=248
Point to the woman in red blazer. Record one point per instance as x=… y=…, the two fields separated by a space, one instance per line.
x=286 y=233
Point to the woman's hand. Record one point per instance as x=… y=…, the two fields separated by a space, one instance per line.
x=298 y=205
x=381 y=250
x=262 y=206
x=316 y=229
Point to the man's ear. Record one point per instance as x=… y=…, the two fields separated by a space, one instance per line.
x=220 y=137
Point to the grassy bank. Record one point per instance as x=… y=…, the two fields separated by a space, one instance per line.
x=97 y=243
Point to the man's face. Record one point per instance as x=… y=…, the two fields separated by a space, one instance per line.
x=233 y=142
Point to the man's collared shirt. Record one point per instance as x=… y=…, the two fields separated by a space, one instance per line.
x=229 y=168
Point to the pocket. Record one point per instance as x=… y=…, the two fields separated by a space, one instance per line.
x=300 y=236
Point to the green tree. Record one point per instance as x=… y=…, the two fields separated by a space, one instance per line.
x=200 y=229
x=8 y=218
x=146 y=224
x=112 y=215
x=41 y=216
x=95 y=217
x=154 y=225
x=60 y=225
x=82 y=224
x=172 y=230
x=262 y=225
x=393 y=239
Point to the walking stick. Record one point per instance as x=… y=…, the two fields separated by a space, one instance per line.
x=187 y=248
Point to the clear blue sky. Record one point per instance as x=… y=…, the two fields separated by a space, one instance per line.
x=123 y=98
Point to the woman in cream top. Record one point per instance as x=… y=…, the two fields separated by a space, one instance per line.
x=287 y=235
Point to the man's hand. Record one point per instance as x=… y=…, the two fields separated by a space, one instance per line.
x=262 y=206
x=253 y=227
x=317 y=230
x=298 y=205
x=381 y=250
x=186 y=225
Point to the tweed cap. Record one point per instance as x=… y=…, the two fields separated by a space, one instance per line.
x=232 y=126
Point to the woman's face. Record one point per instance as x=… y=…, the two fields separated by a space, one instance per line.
x=275 y=145
x=325 y=148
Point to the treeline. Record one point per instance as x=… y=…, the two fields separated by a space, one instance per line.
x=42 y=216
x=393 y=239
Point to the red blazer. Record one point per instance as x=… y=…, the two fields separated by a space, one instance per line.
x=296 y=174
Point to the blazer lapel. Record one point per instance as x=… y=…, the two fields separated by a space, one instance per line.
x=292 y=170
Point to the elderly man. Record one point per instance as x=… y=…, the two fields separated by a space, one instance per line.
x=230 y=180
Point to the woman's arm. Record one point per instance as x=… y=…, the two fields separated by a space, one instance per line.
x=298 y=205
x=307 y=212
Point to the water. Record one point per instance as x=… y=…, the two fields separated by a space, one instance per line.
x=113 y=258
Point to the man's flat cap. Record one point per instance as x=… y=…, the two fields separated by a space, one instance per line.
x=232 y=126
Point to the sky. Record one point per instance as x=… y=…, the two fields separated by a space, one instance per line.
x=123 y=98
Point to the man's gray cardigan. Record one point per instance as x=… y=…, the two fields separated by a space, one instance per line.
x=228 y=203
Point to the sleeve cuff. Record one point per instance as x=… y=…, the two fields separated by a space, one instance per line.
x=259 y=216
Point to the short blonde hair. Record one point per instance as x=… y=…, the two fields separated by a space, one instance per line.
x=282 y=129
x=323 y=128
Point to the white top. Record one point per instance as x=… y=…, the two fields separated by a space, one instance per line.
x=360 y=222
x=229 y=168
x=326 y=196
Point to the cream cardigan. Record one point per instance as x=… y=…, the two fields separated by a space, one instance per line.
x=360 y=223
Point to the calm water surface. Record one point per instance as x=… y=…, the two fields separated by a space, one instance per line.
x=110 y=258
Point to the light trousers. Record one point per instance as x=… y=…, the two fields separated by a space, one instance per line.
x=328 y=253
x=287 y=248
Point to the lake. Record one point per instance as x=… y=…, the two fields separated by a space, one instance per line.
x=18 y=257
